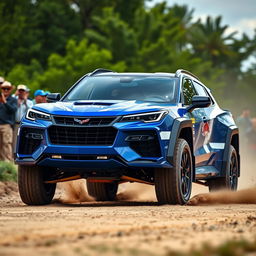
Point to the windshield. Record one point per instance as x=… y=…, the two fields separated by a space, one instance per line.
x=140 y=88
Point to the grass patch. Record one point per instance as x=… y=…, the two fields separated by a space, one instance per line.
x=230 y=248
x=8 y=171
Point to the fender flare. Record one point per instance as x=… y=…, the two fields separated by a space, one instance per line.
x=178 y=125
x=232 y=130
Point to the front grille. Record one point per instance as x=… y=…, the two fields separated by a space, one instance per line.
x=30 y=140
x=84 y=121
x=66 y=135
x=149 y=148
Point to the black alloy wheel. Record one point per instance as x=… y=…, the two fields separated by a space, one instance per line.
x=233 y=171
x=186 y=173
x=230 y=180
x=173 y=185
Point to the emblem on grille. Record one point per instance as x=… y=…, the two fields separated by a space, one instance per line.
x=84 y=121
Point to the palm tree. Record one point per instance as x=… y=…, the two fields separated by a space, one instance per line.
x=183 y=17
x=210 y=41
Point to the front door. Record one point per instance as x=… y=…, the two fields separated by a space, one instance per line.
x=200 y=119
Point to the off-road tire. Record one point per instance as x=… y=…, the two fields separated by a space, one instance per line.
x=169 y=182
x=230 y=181
x=32 y=189
x=102 y=191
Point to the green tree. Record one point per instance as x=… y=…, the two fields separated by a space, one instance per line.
x=115 y=35
x=15 y=33
x=56 y=23
x=26 y=74
x=210 y=42
x=87 y=9
x=62 y=71
x=35 y=29
x=50 y=44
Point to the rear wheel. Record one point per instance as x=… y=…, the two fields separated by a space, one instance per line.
x=32 y=189
x=173 y=185
x=102 y=191
x=230 y=181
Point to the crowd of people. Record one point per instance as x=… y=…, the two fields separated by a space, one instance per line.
x=13 y=106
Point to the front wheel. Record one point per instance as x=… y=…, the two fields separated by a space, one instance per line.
x=32 y=189
x=102 y=191
x=230 y=181
x=173 y=185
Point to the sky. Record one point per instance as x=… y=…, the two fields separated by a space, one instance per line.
x=239 y=15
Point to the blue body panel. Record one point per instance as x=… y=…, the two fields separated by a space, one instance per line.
x=120 y=148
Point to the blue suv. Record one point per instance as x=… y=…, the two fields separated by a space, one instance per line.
x=161 y=129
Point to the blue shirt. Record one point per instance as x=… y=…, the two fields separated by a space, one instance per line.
x=8 y=110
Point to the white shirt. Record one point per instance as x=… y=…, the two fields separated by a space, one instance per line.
x=22 y=109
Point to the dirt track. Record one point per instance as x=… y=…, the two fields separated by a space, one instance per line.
x=139 y=227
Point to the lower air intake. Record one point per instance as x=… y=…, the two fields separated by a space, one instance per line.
x=30 y=140
x=146 y=148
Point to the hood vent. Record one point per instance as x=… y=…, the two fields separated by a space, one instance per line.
x=93 y=103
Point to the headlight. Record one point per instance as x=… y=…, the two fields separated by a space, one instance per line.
x=145 y=117
x=33 y=114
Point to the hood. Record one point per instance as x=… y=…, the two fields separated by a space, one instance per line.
x=99 y=108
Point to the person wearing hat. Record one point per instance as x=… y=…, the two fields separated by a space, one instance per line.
x=23 y=105
x=8 y=107
x=40 y=96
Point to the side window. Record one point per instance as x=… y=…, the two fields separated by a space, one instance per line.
x=200 y=90
x=188 y=91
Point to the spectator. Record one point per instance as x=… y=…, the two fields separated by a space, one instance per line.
x=23 y=105
x=244 y=121
x=40 y=96
x=8 y=107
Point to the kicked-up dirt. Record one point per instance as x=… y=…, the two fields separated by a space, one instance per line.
x=76 y=225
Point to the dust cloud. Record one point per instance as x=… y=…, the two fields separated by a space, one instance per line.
x=73 y=192
x=136 y=192
x=246 y=193
x=244 y=196
x=76 y=191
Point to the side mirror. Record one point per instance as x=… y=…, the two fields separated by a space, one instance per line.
x=199 y=102
x=53 y=97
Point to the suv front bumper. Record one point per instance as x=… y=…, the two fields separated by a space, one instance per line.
x=136 y=145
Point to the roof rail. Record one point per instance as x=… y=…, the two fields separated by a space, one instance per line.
x=183 y=71
x=100 y=70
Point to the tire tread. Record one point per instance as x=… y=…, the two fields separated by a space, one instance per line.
x=31 y=186
x=167 y=180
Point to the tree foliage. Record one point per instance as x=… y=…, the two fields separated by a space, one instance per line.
x=50 y=44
